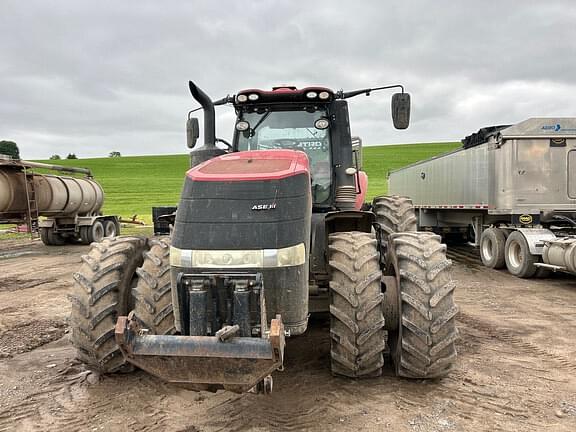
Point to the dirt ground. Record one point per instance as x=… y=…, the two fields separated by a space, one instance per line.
x=516 y=369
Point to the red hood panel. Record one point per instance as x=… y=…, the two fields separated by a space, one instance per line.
x=252 y=166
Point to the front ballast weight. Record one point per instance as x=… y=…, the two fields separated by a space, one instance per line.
x=227 y=329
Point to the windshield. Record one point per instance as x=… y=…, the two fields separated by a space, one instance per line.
x=292 y=130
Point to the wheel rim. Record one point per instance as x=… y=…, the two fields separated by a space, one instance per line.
x=97 y=232
x=487 y=249
x=515 y=255
x=110 y=230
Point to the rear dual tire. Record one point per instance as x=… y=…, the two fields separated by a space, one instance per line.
x=99 y=230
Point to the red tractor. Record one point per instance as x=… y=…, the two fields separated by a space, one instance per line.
x=270 y=229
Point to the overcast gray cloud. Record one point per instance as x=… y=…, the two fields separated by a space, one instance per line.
x=92 y=77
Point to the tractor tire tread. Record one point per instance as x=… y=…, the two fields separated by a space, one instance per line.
x=427 y=316
x=101 y=292
x=357 y=325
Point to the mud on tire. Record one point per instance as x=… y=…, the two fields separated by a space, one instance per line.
x=394 y=214
x=357 y=335
x=153 y=297
x=102 y=292
x=424 y=344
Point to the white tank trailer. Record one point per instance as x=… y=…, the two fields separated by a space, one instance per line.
x=511 y=190
x=62 y=208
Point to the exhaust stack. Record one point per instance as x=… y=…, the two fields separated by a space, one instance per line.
x=208 y=150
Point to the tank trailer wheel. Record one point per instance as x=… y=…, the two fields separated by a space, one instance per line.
x=51 y=238
x=110 y=229
x=152 y=295
x=92 y=233
x=423 y=344
x=358 y=338
x=394 y=214
x=102 y=291
x=492 y=245
x=519 y=261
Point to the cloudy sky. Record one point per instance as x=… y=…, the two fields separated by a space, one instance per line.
x=92 y=77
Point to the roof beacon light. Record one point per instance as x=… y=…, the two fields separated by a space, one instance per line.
x=253 y=96
x=324 y=95
x=311 y=95
x=242 y=98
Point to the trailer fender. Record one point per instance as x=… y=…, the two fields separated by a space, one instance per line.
x=536 y=238
x=46 y=223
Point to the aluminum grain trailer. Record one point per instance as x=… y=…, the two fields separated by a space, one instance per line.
x=511 y=190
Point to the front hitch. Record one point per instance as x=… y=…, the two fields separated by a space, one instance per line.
x=237 y=364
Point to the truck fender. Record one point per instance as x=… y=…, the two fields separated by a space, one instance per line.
x=536 y=237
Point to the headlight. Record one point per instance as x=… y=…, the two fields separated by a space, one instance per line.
x=253 y=97
x=242 y=98
x=259 y=258
x=311 y=95
x=324 y=95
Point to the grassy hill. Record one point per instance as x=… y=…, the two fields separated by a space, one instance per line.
x=133 y=184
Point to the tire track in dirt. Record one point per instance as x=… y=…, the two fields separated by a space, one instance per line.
x=513 y=339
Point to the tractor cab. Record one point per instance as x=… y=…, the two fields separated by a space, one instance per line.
x=289 y=119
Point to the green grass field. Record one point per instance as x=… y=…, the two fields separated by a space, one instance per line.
x=133 y=184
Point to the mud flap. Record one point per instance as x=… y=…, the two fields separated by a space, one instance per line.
x=208 y=363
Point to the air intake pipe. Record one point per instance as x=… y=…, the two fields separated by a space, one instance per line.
x=208 y=150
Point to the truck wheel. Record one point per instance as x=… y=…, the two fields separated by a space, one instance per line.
x=394 y=214
x=519 y=261
x=152 y=295
x=92 y=233
x=423 y=345
x=110 y=229
x=492 y=245
x=357 y=335
x=51 y=238
x=102 y=291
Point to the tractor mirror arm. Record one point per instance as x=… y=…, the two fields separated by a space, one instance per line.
x=224 y=100
x=345 y=95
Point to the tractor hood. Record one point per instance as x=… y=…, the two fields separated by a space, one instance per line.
x=252 y=166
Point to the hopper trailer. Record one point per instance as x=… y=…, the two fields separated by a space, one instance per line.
x=509 y=190
x=60 y=208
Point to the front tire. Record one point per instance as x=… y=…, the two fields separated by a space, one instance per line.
x=153 y=297
x=423 y=346
x=358 y=338
x=519 y=261
x=102 y=291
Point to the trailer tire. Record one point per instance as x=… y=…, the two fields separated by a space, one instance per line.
x=92 y=233
x=102 y=291
x=51 y=238
x=358 y=338
x=153 y=308
x=110 y=228
x=423 y=346
x=394 y=214
x=492 y=247
x=519 y=261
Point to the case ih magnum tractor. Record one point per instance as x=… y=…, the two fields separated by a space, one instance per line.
x=267 y=231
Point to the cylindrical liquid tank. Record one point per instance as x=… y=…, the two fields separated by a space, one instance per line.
x=561 y=252
x=55 y=195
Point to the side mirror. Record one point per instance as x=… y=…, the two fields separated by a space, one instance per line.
x=401 y=110
x=192 y=132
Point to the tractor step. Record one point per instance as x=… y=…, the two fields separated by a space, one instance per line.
x=237 y=364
